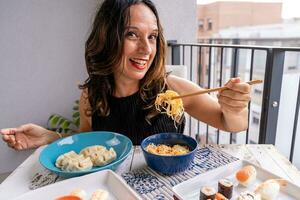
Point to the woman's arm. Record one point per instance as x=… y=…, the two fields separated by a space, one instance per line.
x=85 y=121
x=229 y=112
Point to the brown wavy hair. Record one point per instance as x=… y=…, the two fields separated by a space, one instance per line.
x=104 y=50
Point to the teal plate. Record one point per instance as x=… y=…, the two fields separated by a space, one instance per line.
x=121 y=144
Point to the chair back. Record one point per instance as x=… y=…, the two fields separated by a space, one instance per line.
x=177 y=70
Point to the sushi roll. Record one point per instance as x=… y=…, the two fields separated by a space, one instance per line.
x=220 y=196
x=207 y=192
x=270 y=188
x=249 y=196
x=246 y=175
x=225 y=187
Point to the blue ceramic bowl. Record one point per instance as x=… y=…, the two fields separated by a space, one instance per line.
x=121 y=144
x=169 y=164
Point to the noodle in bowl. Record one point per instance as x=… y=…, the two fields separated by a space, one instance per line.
x=169 y=164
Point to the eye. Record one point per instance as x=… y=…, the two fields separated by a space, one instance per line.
x=153 y=37
x=131 y=35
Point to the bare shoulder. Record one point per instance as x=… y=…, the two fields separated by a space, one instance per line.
x=84 y=100
x=84 y=109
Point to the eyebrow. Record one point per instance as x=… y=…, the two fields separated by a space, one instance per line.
x=134 y=27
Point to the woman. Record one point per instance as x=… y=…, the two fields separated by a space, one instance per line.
x=125 y=59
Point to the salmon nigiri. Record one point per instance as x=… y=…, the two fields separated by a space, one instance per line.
x=68 y=197
x=77 y=194
x=246 y=175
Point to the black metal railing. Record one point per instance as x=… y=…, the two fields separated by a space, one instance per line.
x=207 y=64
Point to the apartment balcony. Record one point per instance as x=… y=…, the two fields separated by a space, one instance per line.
x=274 y=109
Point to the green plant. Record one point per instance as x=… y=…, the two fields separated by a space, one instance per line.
x=62 y=124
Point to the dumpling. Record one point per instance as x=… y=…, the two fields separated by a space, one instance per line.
x=110 y=155
x=71 y=161
x=63 y=159
x=99 y=195
x=99 y=155
x=86 y=152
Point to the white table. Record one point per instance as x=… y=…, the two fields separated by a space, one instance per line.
x=266 y=156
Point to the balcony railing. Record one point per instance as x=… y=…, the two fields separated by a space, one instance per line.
x=210 y=65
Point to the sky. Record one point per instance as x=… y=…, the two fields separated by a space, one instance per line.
x=290 y=8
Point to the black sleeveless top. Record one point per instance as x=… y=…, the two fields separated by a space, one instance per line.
x=128 y=118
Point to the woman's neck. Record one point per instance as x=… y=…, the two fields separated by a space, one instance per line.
x=125 y=88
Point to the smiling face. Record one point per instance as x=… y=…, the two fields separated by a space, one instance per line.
x=139 y=45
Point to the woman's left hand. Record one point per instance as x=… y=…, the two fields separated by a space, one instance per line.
x=235 y=99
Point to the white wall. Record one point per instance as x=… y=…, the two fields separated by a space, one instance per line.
x=42 y=57
x=41 y=62
x=179 y=19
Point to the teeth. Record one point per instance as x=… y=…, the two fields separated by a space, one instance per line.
x=140 y=62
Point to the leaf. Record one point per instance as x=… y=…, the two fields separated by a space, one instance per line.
x=65 y=124
x=75 y=115
x=62 y=124
x=51 y=116
x=75 y=108
x=77 y=122
x=61 y=120
x=53 y=120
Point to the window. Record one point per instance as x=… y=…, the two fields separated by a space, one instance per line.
x=209 y=24
x=200 y=24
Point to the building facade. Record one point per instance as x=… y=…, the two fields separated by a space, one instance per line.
x=216 y=16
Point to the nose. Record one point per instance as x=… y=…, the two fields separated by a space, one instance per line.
x=145 y=46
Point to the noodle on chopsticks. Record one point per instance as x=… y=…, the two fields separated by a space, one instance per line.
x=172 y=107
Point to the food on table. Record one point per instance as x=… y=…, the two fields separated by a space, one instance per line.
x=220 y=196
x=249 y=196
x=270 y=188
x=96 y=155
x=99 y=155
x=79 y=192
x=172 y=107
x=165 y=150
x=207 y=192
x=225 y=187
x=71 y=161
x=69 y=197
x=99 y=195
x=246 y=175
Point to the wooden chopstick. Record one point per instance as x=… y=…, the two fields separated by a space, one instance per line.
x=213 y=90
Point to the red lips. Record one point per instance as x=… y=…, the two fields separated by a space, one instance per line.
x=137 y=65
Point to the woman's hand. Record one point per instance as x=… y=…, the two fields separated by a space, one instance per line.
x=234 y=105
x=27 y=136
x=235 y=99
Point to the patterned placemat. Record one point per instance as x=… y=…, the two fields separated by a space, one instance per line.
x=42 y=178
x=156 y=186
